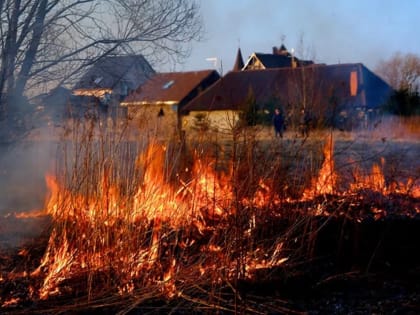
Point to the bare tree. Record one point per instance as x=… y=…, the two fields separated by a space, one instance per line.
x=401 y=71
x=44 y=41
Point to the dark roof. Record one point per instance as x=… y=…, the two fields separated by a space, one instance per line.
x=107 y=72
x=276 y=60
x=322 y=83
x=230 y=91
x=55 y=97
x=239 y=61
x=170 y=87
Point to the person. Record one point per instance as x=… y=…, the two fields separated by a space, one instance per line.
x=278 y=122
x=304 y=122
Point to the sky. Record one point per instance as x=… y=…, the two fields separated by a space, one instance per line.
x=326 y=31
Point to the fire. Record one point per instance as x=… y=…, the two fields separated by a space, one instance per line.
x=30 y=214
x=168 y=231
x=59 y=263
x=136 y=236
x=212 y=192
x=10 y=302
x=375 y=180
x=326 y=181
x=412 y=188
x=132 y=235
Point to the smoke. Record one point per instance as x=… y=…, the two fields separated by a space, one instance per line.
x=390 y=127
x=23 y=167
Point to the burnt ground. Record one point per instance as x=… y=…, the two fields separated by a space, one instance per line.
x=348 y=264
x=362 y=268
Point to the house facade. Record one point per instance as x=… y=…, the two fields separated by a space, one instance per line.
x=156 y=104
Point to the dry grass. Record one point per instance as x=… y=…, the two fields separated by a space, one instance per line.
x=155 y=220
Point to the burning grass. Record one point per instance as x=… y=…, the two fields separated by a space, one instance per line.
x=157 y=224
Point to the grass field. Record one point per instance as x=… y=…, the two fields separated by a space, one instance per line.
x=166 y=225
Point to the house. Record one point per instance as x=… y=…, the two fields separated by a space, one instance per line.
x=279 y=58
x=111 y=78
x=156 y=103
x=331 y=93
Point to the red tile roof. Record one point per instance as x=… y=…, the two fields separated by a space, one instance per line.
x=170 y=87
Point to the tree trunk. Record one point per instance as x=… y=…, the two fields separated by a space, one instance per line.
x=7 y=81
x=30 y=55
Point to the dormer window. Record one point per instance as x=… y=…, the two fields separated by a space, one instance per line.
x=98 y=80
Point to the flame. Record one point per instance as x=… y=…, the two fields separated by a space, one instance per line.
x=412 y=188
x=326 y=181
x=11 y=302
x=374 y=181
x=59 y=264
x=170 y=289
x=92 y=231
x=146 y=238
x=30 y=214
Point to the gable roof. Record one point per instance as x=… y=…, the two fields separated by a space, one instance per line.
x=321 y=82
x=108 y=71
x=170 y=87
x=274 y=61
x=280 y=60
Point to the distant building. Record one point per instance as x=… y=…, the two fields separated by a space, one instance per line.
x=155 y=105
x=114 y=75
x=279 y=58
x=335 y=95
x=110 y=79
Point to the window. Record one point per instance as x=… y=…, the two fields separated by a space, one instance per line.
x=168 y=84
x=353 y=83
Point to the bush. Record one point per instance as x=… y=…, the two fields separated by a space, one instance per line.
x=404 y=103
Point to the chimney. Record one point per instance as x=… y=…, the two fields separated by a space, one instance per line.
x=275 y=50
x=283 y=50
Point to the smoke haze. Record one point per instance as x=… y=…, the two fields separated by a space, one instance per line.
x=23 y=168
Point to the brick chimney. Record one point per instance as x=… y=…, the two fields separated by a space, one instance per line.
x=282 y=50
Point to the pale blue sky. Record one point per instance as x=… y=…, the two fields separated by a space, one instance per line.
x=341 y=31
